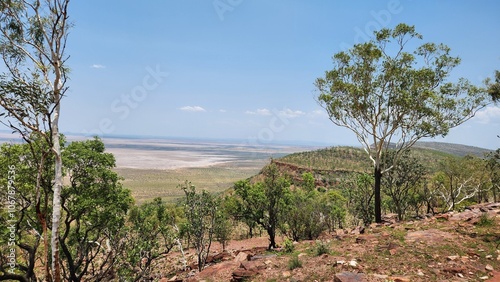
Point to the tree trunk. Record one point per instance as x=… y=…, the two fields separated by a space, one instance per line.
x=272 y=238
x=378 y=199
x=56 y=202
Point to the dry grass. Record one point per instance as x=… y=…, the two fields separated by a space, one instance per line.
x=147 y=184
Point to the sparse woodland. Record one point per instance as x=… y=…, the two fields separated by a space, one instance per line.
x=75 y=221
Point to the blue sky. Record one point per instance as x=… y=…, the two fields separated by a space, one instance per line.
x=245 y=69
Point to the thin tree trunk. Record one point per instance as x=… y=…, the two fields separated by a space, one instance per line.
x=56 y=203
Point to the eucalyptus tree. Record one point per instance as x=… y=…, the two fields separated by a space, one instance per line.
x=32 y=45
x=390 y=97
x=460 y=180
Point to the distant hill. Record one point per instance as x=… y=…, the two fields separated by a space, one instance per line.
x=329 y=164
x=454 y=149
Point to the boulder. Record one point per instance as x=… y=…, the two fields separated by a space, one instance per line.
x=241 y=274
x=242 y=256
x=349 y=277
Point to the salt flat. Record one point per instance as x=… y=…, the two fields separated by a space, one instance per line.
x=159 y=154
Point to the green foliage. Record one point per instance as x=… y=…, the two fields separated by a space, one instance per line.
x=201 y=213
x=494 y=87
x=288 y=246
x=294 y=263
x=385 y=93
x=493 y=169
x=150 y=234
x=358 y=191
x=401 y=181
x=460 y=180
x=301 y=215
x=308 y=181
x=263 y=202
x=95 y=206
x=321 y=248
x=332 y=205
x=223 y=224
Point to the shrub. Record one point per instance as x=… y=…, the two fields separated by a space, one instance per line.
x=294 y=262
x=288 y=246
x=321 y=248
x=485 y=221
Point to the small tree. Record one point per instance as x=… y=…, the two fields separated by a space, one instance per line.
x=95 y=206
x=263 y=202
x=460 y=179
x=402 y=181
x=201 y=212
x=223 y=226
x=493 y=165
x=390 y=97
x=150 y=235
x=357 y=189
x=332 y=205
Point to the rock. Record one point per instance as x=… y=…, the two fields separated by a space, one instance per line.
x=242 y=274
x=358 y=230
x=225 y=268
x=380 y=276
x=286 y=274
x=495 y=278
x=353 y=263
x=400 y=279
x=420 y=273
x=173 y=279
x=349 y=277
x=489 y=267
x=452 y=258
x=454 y=269
x=252 y=266
x=242 y=256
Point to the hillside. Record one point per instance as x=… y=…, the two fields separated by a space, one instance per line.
x=454 y=149
x=421 y=250
x=344 y=158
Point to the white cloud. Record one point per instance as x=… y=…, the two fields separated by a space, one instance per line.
x=490 y=114
x=222 y=111
x=260 y=112
x=318 y=113
x=98 y=66
x=192 y=109
x=289 y=113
